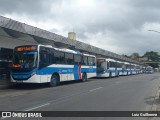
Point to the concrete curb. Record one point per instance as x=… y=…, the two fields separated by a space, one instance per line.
x=4 y=83
x=155 y=106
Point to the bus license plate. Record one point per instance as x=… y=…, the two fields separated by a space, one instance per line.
x=19 y=81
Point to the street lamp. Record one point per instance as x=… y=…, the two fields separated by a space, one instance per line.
x=158 y=53
x=154 y=31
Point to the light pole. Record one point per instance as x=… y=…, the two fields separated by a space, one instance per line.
x=159 y=33
x=154 y=31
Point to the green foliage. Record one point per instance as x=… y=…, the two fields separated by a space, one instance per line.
x=153 y=56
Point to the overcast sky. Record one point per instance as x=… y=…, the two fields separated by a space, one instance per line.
x=120 y=26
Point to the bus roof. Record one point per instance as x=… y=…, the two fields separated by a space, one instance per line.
x=61 y=49
x=88 y=55
x=126 y=63
x=106 y=59
x=68 y=50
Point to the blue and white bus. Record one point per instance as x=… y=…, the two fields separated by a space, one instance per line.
x=106 y=67
x=120 y=69
x=46 y=64
x=138 y=69
x=149 y=69
x=124 y=69
x=133 y=69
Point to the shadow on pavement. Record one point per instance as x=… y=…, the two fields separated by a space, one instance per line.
x=31 y=86
x=152 y=101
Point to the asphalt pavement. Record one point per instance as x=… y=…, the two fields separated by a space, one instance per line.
x=124 y=93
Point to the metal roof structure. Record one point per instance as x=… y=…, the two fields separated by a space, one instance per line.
x=17 y=29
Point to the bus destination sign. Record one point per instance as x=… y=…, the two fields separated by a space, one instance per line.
x=26 y=48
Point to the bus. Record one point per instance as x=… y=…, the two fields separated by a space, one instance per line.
x=133 y=69
x=120 y=68
x=138 y=69
x=149 y=69
x=47 y=64
x=127 y=68
x=106 y=67
x=124 y=68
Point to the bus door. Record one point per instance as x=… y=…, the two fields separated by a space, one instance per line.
x=44 y=61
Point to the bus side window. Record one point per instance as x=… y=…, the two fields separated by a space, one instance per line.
x=77 y=59
x=84 y=60
x=94 y=61
x=111 y=64
x=59 y=57
x=114 y=64
x=52 y=58
x=90 y=62
x=44 y=60
x=107 y=65
x=69 y=58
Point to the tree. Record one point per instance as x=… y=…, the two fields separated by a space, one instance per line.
x=152 y=56
x=135 y=56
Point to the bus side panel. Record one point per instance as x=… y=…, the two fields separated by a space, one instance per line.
x=34 y=79
x=77 y=72
x=133 y=71
x=112 y=71
x=44 y=78
x=119 y=70
x=129 y=71
x=105 y=74
x=90 y=70
x=71 y=77
x=63 y=77
x=124 y=72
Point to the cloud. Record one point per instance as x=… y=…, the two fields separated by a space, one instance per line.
x=119 y=26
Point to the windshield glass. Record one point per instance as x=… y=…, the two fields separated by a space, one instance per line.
x=149 y=69
x=25 y=60
x=101 y=66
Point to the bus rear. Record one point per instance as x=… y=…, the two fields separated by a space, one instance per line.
x=25 y=62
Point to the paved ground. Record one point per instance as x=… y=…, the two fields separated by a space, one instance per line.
x=125 y=93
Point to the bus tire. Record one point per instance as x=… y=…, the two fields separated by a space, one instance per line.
x=118 y=74
x=84 y=77
x=54 y=81
x=110 y=75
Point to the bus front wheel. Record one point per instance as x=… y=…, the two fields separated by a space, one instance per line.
x=54 y=81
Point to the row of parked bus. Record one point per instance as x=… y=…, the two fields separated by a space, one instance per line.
x=111 y=68
x=46 y=64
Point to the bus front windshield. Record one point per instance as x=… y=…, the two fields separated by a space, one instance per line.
x=25 y=60
x=101 y=66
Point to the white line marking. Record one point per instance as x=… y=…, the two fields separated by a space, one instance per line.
x=17 y=95
x=95 y=89
x=118 y=82
x=33 y=108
